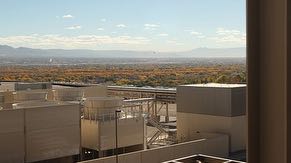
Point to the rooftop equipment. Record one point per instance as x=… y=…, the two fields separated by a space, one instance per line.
x=32 y=86
x=98 y=125
x=44 y=127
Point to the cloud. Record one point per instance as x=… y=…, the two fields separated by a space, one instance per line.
x=229 y=36
x=103 y=20
x=195 y=33
x=121 y=26
x=151 y=26
x=222 y=31
x=100 y=29
x=71 y=42
x=174 y=42
x=74 y=27
x=68 y=16
x=163 y=34
x=201 y=36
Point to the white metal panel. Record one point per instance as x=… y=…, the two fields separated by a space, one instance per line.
x=90 y=134
x=68 y=94
x=52 y=131
x=130 y=132
x=52 y=116
x=30 y=96
x=52 y=143
x=32 y=86
x=102 y=105
x=100 y=135
x=95 y=91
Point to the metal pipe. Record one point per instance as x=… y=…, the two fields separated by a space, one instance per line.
x=116 y=134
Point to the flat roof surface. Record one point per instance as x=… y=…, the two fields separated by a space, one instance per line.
x=37 y=104
x=216 y=85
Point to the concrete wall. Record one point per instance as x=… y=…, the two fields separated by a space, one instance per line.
x=188 y=124
x=216 y=145
x=211 y=100
x=12 y=136
x=212 y=108
x=238 y=101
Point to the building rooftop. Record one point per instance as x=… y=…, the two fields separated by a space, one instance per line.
x=33 y=104
x=216 y=85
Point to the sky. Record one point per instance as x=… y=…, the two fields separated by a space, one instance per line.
x=143 y=25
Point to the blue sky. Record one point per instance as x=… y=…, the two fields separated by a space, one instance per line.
x=158 y=25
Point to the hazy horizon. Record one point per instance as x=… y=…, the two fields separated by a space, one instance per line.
x=23 y=52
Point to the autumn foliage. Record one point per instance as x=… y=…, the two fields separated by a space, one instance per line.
x=167 y=75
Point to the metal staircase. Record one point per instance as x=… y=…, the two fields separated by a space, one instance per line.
x=157 y=125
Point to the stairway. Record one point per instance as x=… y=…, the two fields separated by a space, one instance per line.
x=157 y=125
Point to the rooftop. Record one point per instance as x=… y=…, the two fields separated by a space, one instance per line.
x=216 y=85
x=32 y=104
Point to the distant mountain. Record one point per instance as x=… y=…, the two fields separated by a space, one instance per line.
x=22 y=52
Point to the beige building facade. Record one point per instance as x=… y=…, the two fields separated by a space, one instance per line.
x=215 y=108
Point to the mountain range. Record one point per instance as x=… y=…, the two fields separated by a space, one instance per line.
x=22 y=52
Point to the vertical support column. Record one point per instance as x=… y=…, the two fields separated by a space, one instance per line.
x=268 y=64
x=156 y=109
x=131 y=109
x=141 y=108
x=288 y=60
x=148 y=107
x=167 y=113
x=153 y=108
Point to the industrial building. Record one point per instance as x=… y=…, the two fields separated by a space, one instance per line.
x=215 y=108
x=64 y=124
